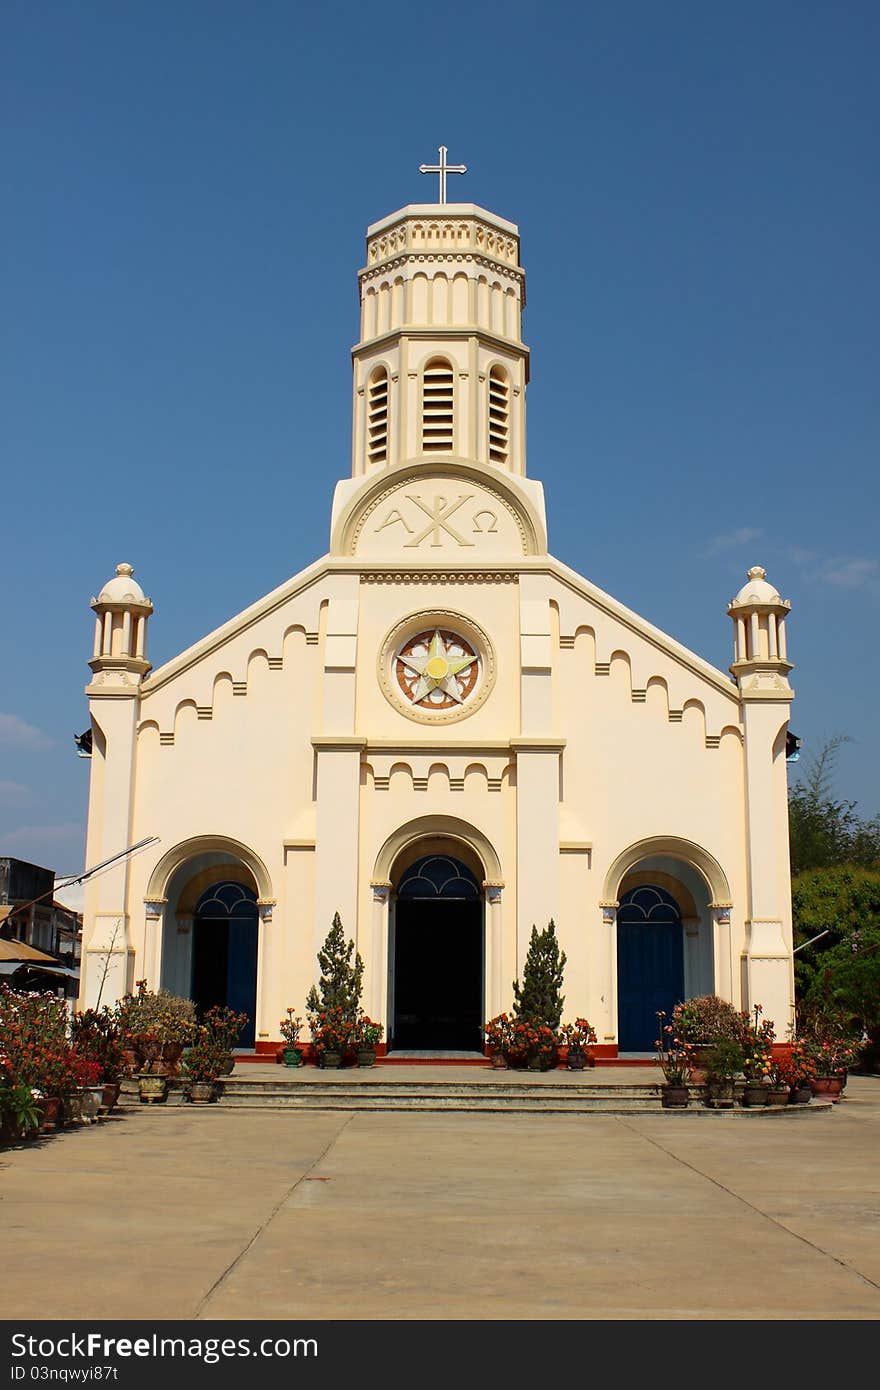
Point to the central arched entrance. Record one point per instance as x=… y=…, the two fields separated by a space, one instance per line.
x=437 y=957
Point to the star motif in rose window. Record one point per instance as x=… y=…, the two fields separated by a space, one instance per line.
x=436 y=670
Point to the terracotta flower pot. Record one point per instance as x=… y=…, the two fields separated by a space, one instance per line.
x=51 y=1114
x=755 y=1093
x=674 y=1097
x=827 y=1087
x=110 y=1095
x=153 y=1089
x=498 y=1060
x=778 y=1095
x=202 y=1092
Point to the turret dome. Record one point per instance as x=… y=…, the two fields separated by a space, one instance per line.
x=122 y=588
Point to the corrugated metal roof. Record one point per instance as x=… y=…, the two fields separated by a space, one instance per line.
x=18 y=950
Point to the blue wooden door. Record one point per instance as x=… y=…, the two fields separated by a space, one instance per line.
x=241 y=975
x=650 y=965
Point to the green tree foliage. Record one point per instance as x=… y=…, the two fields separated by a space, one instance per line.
x=844 y=902
x=341 y=983
x=825 y=832
x=540 y=996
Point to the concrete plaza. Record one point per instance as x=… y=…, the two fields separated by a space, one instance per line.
x=215 y=1214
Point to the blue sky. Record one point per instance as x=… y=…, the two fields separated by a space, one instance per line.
x=186 y=188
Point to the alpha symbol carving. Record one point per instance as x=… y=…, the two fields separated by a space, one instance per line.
x=439 y=512
x=395 y=518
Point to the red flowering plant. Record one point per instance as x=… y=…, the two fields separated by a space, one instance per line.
x=224 y=1025
x=536 y=1042
x=673 y=1059
x=35 y=1047
x=97 y=1036
x=798 y=1068
x=331 y=1029
x=206 y=1059
x=499 y=1034
x=829 y=1040
x=367 y=1034
x=578 y=1037
x=290 y=1028
x=756 y=1040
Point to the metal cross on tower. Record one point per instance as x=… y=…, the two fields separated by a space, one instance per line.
x=442 y=169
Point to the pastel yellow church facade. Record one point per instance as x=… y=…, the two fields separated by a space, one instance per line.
x=439 y=730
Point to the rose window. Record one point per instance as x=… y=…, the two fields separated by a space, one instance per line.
x=437 y=669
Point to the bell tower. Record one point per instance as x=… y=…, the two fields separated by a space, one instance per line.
x=440 y=370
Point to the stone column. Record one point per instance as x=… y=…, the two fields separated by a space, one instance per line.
x=377 y=973
x=496 y=1001
x=606 y=966
x=721 y=949
x=154 y=914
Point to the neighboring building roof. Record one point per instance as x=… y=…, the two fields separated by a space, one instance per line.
x=18 y=950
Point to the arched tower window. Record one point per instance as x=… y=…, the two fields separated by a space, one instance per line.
x=377 y=417
x=437 y=407
x=499 y=416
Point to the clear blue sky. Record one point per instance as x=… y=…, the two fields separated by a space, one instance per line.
x=186 y=187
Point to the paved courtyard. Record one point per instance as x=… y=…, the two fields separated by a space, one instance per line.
x=182 y=1213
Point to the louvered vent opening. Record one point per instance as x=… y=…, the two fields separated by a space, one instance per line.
x=377 y=419
x=437 y=388
x=499 y=417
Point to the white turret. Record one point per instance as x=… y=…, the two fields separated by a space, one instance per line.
x=760 y=662
x=121 y=613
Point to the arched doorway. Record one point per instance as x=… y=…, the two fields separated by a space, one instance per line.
x=650 y=964
x=436 y=965
x=224 y=952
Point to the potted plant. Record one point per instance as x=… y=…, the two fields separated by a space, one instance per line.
x=331 y=1030
x=366 y=1038
x=203 y=1064
x=756 y=1040
x=226 y=1027
x=798 y=1070
x=290 y=1030
x=23 y=1110
x=159 y=1024
x=333 y=1006
x=579 y=1038
x=829 y=1042
x=537 y=1042
x=675 y=1063
x=779 y=1086
x=698 y=1023
x=723 y=1065
x=499 y=1039
x=96 y=1036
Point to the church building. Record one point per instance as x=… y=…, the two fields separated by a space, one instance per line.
x=439 y=730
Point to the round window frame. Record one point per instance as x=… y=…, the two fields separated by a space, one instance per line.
x=408 y=628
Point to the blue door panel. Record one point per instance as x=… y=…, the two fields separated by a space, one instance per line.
x=650 y=965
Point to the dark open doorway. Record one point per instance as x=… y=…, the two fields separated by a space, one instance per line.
x=224 y=956
x=438 y=959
